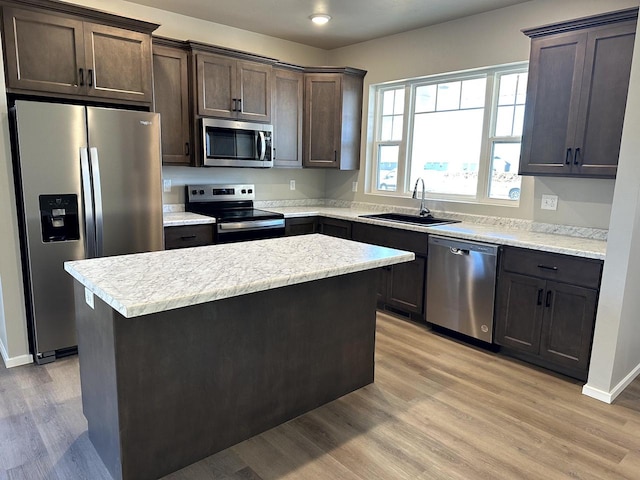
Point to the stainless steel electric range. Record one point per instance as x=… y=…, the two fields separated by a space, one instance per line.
x=232 y=207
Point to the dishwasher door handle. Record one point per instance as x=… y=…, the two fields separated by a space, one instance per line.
x=458 y=251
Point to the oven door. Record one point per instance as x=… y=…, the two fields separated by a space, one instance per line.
x=236 y=144
x=228 y=232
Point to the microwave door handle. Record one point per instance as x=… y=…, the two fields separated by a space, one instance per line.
x=261 y=145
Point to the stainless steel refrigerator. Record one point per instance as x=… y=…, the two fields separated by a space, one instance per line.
x=88 y=184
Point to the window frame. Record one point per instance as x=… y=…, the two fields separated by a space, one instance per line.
x=489 y=139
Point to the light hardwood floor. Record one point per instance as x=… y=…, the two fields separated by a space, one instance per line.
x=438 y=410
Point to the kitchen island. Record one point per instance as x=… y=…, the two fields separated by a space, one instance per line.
x=184 y=353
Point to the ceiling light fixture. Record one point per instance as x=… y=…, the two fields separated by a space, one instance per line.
x=320 y=18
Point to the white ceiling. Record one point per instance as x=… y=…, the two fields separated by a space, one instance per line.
x=353 y=21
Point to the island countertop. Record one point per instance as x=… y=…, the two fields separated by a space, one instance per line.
x=151 y=282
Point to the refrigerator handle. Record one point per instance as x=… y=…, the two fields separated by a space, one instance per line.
x=97 y=199
x=87 y=197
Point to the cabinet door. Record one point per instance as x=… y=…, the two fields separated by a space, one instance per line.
x=216 y=86
x=253 y=91
x=287 y=118
x=405 y=286
x=603 y=100
x=322 y=120
x=300 y=226
x=43 y=52
x=188 y=236
x=171 y=100
x=567 y=327
x=335 y=228
x=553 y=95
x=118 y=63
x=519 y=312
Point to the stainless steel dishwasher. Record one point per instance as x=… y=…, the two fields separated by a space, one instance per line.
x=461 y=281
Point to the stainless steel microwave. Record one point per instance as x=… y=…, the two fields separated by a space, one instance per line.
x=227 y=143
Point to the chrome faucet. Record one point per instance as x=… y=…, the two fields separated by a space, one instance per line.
x=424 y=211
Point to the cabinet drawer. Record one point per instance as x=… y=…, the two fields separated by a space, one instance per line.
x=335 y=227
x=391 y=237
x=585 y=272
x=300 y=226
x=188 y=236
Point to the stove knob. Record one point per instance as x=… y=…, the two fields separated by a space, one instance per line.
x=250 y=190
x=201 y=192
x=194 y=192
x=244 y=191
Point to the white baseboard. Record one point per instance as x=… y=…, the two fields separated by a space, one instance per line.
x=14 y=361
x=597 y=394
x=609 y=397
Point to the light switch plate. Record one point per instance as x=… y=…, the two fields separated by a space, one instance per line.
x=292 y=184
x=549 y=202
x=166 y=185
x=354 y=186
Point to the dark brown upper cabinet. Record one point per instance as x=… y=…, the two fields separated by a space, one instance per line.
x=288 y=87
x=576 y=96
x=233 y=88
x=59 y=53
x=171 y=100
x=332 y=118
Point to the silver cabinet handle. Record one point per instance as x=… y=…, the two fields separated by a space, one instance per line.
x=458 y=251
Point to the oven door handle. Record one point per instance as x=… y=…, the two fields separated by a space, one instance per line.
x=261 y=145
x=251 y=225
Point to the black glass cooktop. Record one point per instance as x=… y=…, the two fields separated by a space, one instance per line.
x=245 y=215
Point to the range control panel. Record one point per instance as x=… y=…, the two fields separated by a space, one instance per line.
x=220 y=193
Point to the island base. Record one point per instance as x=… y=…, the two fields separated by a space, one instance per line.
x=164 y=390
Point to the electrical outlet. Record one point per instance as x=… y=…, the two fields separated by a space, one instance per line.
x=166 y=185
x=354 y=186
x=292 y=184
x=549 y=202
x=88 y=297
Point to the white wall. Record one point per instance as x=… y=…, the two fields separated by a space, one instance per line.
x=13 y=330
x=482 y=40
x=271 y=183
x=310 y=184
x=615 y=360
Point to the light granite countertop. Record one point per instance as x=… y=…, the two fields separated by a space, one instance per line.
x=145 y=283
x=496 y=234
x=506 y=232
x=177 y=219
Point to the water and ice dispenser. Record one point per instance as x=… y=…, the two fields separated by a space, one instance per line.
x=59 y=218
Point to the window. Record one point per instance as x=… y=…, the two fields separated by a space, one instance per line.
x=460 y=133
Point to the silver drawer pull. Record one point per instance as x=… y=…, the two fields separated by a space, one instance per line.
x=458 y=251
x=545 y=267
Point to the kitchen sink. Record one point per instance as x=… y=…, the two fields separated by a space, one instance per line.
x=415 y=219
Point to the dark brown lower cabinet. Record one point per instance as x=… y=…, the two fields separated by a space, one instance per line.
x=334 y=227
x=300 y=226
x=544 y=319
x=405 y=286
x=567 y=326
x=188 y=236
x=401 y=288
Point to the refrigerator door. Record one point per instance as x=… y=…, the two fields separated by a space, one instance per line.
x=126 y=169
x=50 y=139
